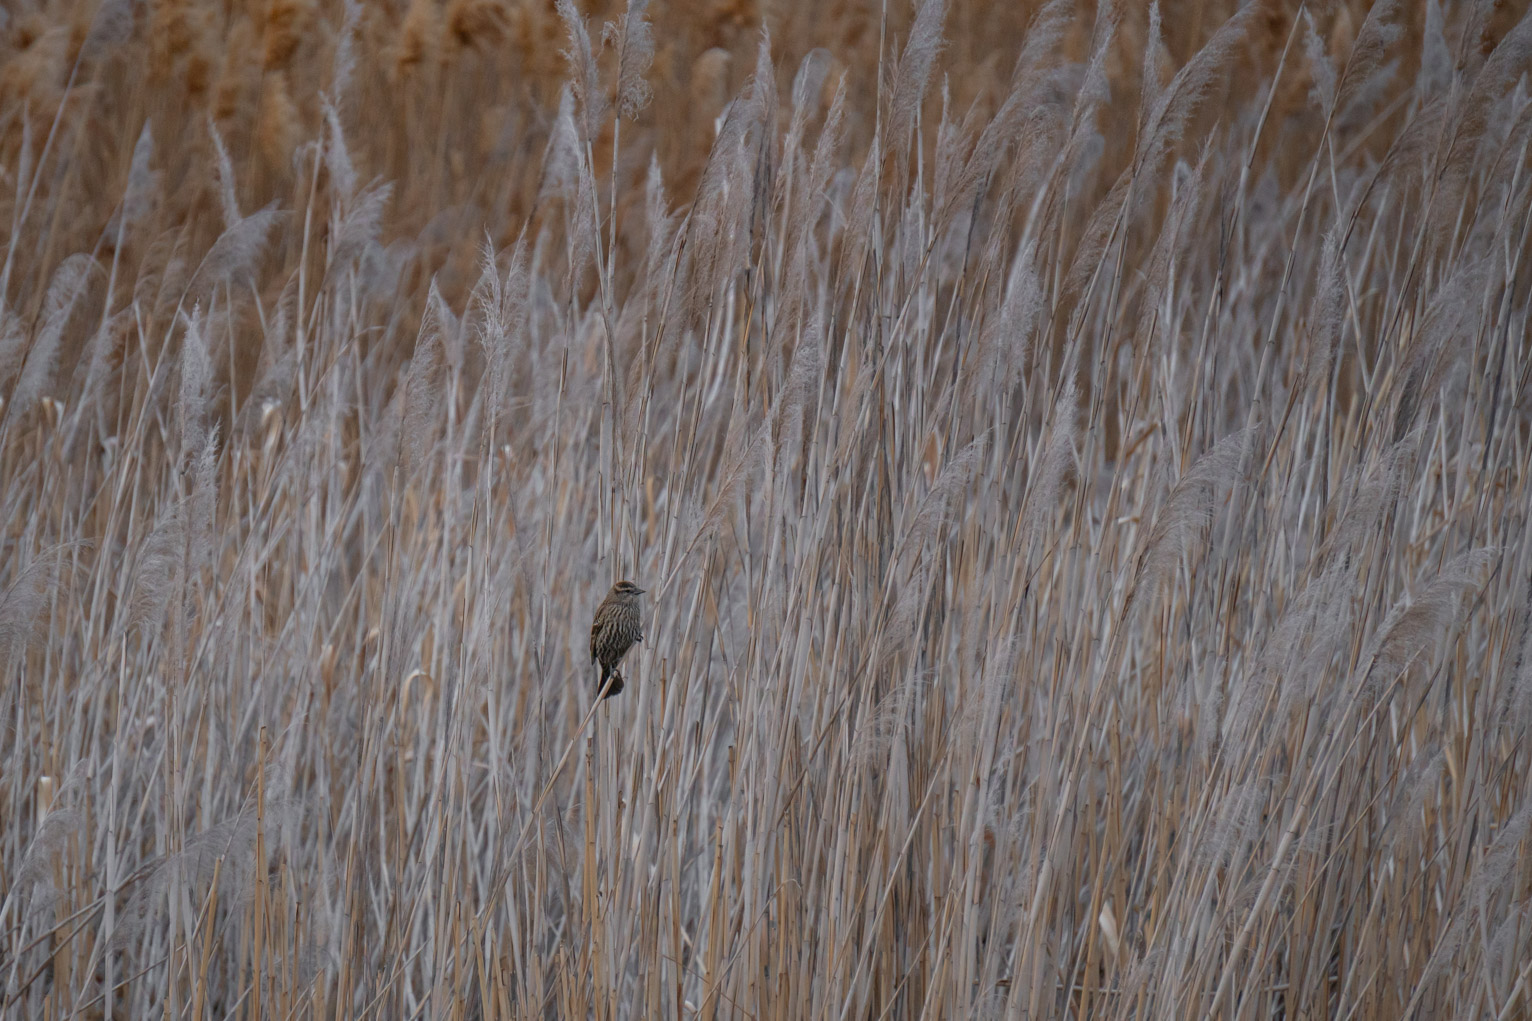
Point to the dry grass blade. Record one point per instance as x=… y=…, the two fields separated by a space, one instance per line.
x=1078 y=458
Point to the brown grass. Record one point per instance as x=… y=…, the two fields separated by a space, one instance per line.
x=1079 y=462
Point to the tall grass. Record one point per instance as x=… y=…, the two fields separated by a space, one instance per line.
x=1081 y=476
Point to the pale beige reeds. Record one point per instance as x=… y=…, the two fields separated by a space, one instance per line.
x=1085 y=531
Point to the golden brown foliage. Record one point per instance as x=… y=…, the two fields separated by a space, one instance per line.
x=1077 y=453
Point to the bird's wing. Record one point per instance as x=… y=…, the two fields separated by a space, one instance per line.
x=596 y=626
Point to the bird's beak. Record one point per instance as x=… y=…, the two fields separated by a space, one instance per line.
x=642 y=591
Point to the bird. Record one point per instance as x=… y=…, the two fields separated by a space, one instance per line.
x=614 y=631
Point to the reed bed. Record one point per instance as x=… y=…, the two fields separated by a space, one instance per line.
x=1078 y=459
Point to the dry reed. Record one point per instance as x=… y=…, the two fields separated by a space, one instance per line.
x=1079 y=462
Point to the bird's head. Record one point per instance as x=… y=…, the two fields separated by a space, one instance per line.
x=627 y=588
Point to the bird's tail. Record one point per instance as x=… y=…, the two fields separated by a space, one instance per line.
x=607 y=691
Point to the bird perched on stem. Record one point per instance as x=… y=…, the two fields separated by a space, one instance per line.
x=613 y=632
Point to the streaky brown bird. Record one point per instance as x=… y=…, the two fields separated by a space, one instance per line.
x=614 y=631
